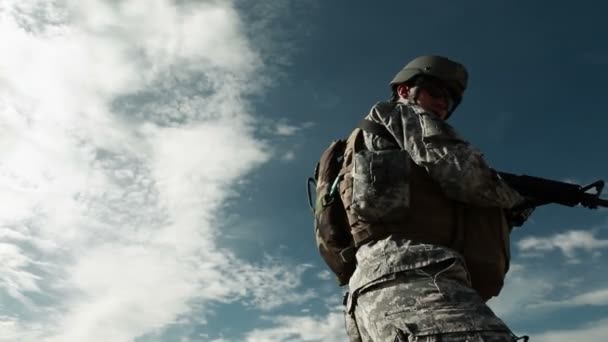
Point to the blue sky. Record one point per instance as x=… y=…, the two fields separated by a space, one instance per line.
x=154 y=157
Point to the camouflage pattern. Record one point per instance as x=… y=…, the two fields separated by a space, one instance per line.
x=381 y=258
x=450 y=160
x=434 y=303
x=381 y=185
x=407 y=291
x=352 y=331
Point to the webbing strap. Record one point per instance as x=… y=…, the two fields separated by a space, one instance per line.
x=375 y=128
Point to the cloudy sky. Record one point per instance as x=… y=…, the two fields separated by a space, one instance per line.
x=154 y=156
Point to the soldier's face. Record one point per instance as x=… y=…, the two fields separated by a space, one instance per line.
x=432 y=97
x=435 y=104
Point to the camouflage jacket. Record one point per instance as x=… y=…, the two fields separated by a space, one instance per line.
x=451 y=161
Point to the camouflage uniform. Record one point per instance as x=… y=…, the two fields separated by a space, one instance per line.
x=406 y=291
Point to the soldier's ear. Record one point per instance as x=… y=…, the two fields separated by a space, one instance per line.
x=403 y=90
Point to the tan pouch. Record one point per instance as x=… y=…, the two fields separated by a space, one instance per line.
x=485 y=248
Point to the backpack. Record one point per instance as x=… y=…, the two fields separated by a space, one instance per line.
x=332 y=230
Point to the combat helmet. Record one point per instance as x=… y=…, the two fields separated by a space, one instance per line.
x=452 y=73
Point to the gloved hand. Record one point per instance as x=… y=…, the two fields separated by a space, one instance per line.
x=517 y=217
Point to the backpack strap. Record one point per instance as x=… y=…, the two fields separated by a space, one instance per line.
x=354 y=143
x=375 y=128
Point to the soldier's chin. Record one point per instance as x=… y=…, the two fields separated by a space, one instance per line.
x=440 y=113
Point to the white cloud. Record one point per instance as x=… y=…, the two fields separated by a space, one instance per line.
x=592 y=332
x=124 y=127
x=522 y=289
x=289 y=156
x=325 y=275
x=593 y=298
x=539 y=291
x=273 y=283
x=568 y=243
x=16 y=279
x=12 y=329
x=285 y=129
x=302 y=328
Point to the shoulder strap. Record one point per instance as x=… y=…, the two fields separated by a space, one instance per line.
x=375 y=128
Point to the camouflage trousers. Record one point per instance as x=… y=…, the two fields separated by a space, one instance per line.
x=435 y=303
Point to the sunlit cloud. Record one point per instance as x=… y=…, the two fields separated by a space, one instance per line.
x=289 y=156
x=540 y=291
x=286 y=129
x=125 y=126
x=302 y=328
x=522 y=288
x=597 y=297
x=591 y=332
x=568 y=243
x=325 y=275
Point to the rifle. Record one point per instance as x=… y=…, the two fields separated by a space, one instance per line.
x=541 y=191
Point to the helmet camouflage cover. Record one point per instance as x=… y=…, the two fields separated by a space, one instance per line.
x=452 y=73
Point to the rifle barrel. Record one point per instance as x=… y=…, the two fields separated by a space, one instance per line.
x=592 y=201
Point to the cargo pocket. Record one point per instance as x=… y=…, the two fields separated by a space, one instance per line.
x=455 y=331
x=403 y=332
x=381 y=191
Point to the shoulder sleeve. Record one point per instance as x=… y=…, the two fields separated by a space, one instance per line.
x=389 y=115
x=458 y=167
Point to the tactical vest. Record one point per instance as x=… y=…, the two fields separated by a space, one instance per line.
x=421 y=212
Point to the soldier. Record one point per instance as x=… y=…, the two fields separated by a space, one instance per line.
x=429 y=217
